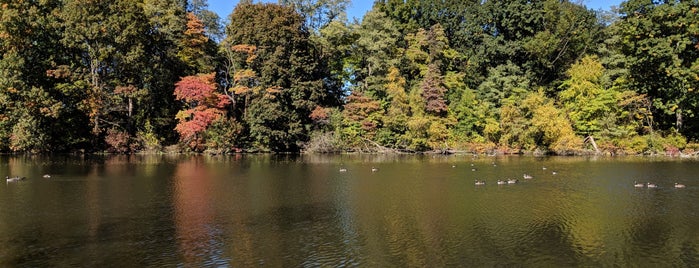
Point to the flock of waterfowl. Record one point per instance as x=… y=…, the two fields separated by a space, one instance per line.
x=653 y=185
x=477 y=182
x=507 y=181
x=9 y=179
x=529 y=177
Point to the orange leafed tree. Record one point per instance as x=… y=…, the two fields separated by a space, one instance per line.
x=205 y=106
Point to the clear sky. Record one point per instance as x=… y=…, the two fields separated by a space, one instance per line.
x=359 y=7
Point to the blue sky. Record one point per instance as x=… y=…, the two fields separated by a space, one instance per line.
x=359 y=7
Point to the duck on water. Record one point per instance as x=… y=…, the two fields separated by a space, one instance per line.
x=14 y=179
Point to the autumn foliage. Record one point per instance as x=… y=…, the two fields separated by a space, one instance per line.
x=205 y=106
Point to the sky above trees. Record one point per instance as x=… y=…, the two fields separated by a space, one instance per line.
x=359 y=7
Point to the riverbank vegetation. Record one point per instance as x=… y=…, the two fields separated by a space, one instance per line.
x=410 y=76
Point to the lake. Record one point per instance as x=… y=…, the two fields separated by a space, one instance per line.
x=302 y=211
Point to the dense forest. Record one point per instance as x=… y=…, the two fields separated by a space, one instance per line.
x=495 y=76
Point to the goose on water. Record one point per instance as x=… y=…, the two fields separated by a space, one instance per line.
x=14 y=179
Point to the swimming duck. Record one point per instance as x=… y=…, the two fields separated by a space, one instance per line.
x=343 y=170
x=373 y=169
x=47 y=176
x=638 y=185
x=651 y=185
x=527 y=177
x=480 y=182
x=502 y=182
x=512 y=181
x=14 y=179
x=679 y=185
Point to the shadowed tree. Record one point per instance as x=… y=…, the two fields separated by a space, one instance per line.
x=289 y=68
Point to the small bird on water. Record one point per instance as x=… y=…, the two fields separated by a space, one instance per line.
x=14 y=179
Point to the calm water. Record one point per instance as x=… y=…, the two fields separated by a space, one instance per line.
x=300 y=211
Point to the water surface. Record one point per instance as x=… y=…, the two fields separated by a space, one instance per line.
x=292 y=211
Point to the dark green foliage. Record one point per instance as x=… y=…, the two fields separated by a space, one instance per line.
x=661 y=45
x=290 y=70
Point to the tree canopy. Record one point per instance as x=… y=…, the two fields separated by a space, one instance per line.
x=478 y=76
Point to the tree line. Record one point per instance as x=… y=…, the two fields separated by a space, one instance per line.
x=544 y=76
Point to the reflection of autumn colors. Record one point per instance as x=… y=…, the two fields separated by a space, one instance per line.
x=194 y=214
x=283 y=211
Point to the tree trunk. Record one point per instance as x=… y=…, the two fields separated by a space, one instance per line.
x=591 y=140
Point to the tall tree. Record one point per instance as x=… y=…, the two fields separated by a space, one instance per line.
x=210 y=20
x=659 y=41
x=287 y=65
x=30 y=108
x=376 y=51
x=585 y=99
x=105 y=38
x=167 y=22
x=197 y=50
x=318 y=13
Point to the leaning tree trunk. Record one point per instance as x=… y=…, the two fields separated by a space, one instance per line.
x=591 y=140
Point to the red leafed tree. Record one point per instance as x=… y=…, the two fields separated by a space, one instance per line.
x=205 y=106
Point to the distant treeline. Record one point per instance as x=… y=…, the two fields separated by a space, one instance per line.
x=512 y=76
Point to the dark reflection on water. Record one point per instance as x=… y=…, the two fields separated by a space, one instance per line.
x=291 y=211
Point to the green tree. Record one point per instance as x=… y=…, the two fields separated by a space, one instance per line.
x=167 y=22
x=585 y=99
x=30 y=111
x=376 y=51
x=397 y=111
x=288 y=67
x=659 y=42
x=105 y=41
x=210 y=20
x=197 y=51
x=318 y=13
